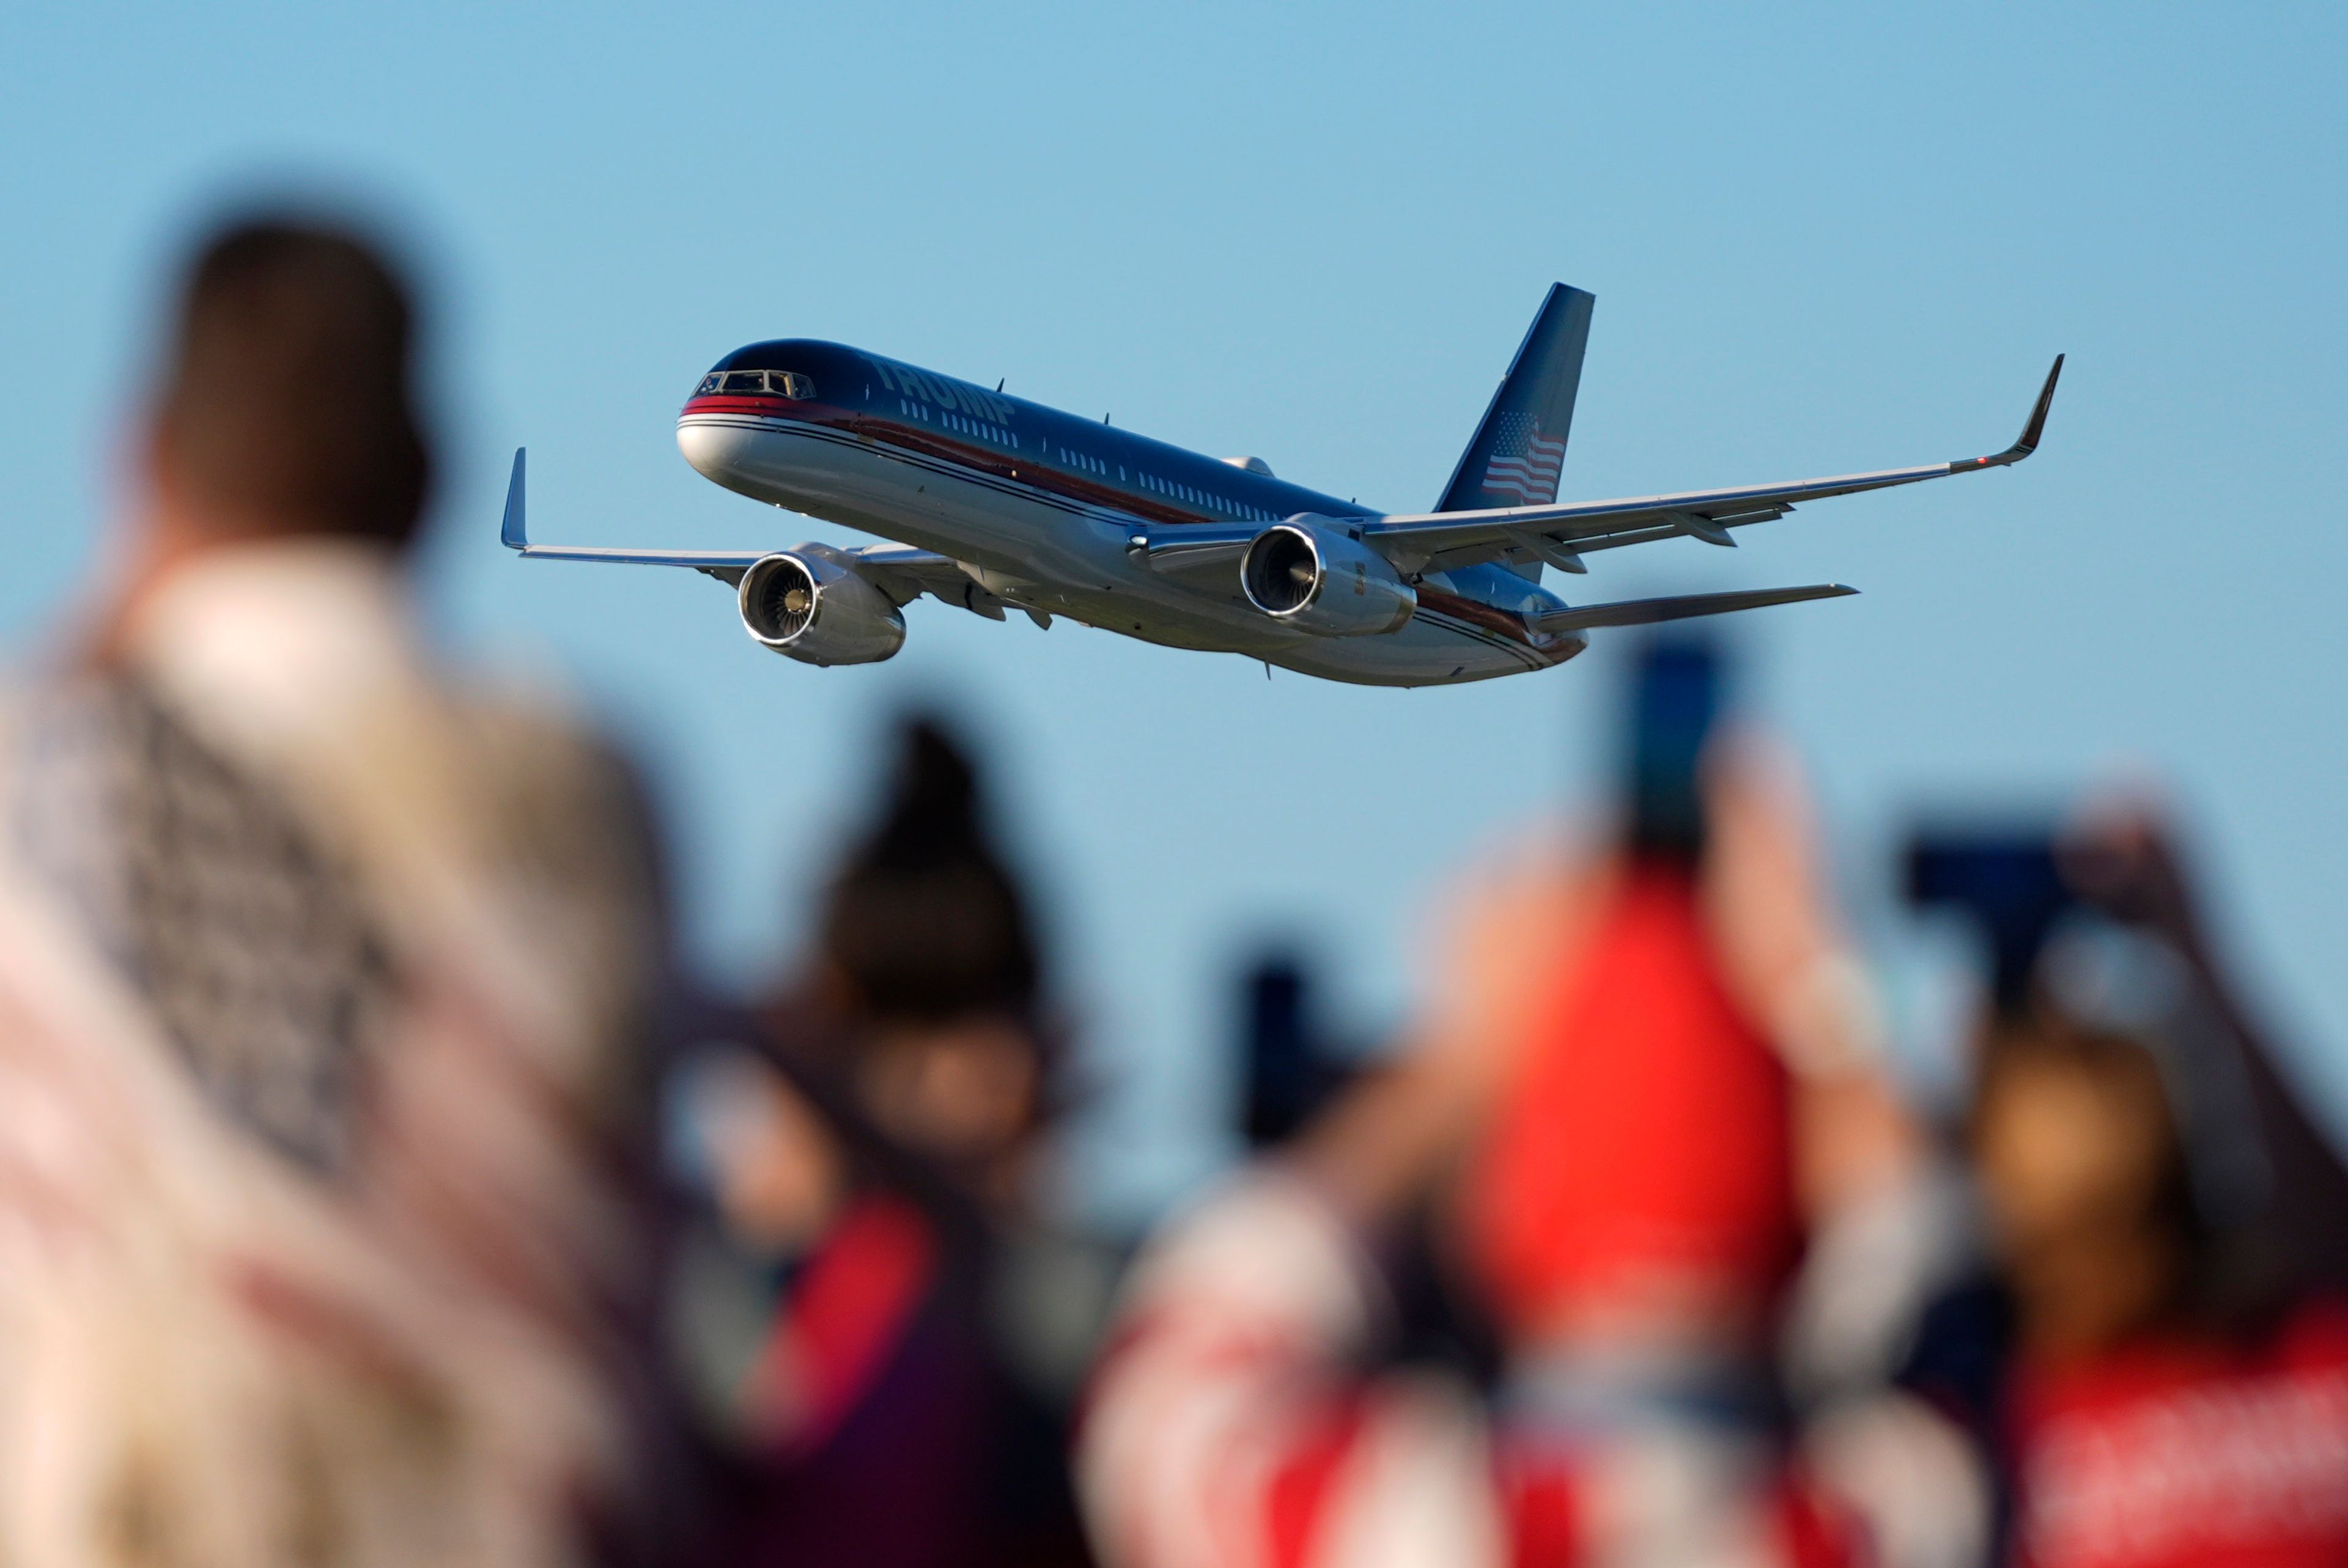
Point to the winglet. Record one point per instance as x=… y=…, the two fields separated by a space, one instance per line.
x=2028 y=443
x=514 y=536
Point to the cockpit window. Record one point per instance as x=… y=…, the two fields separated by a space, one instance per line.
x=778 y=382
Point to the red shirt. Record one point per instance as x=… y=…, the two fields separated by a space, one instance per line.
x=1649 y=1130
x=2178 y=1450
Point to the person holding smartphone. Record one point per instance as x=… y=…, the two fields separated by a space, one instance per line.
x=1648 y=1073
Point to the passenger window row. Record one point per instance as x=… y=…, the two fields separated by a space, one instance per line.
x=981 y=429
x=1198 y=498
x=912 y=409
x=792 y=384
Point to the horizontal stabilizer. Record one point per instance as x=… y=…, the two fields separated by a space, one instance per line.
x=1647 y=612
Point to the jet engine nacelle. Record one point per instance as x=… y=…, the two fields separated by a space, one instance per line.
x=809 y=604
x=1310 y=573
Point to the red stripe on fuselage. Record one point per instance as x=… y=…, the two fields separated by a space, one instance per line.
x=915 y=436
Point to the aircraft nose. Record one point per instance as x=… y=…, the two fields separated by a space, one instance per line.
x=713 y=450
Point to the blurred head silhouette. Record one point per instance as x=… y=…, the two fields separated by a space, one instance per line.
x=927 y=947
x=2085 y=1178
x=288 y=407
x=924 y=923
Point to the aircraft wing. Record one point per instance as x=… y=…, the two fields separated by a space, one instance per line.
x=1558 y=534
x=904 y=574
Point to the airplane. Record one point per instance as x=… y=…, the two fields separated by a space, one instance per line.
x=998 y=502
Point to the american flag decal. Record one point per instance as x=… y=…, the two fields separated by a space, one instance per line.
x=1524 y=463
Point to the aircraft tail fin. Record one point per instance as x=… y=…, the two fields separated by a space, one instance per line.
x=1519 y=448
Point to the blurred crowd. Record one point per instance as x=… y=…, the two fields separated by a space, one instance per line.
x=378 y=1188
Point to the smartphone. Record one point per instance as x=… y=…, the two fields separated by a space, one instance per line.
x=1675 y=700
x=2008 y=881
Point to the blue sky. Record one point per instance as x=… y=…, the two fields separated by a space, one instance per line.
x=1821 y=239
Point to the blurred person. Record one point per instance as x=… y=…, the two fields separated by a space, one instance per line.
x=899 y=1395
x=1647 y=1072
x=1289 y=1067
x=2156 y=1364
x=324 y=979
